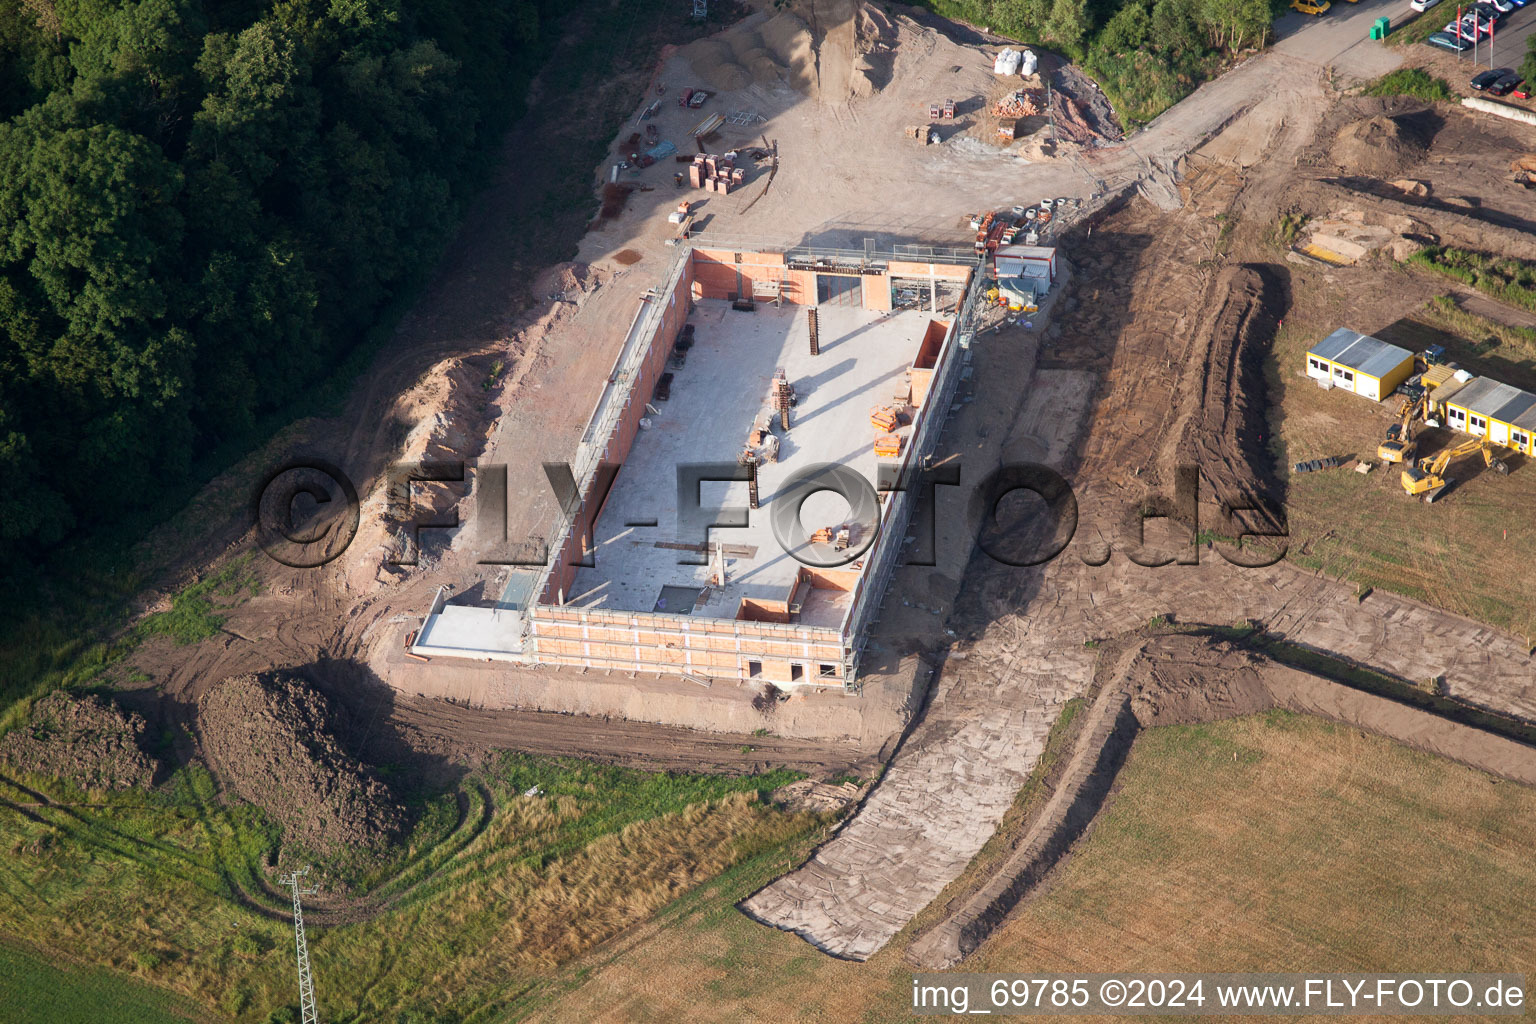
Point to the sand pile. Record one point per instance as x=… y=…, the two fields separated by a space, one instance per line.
x=789 y=39
x=84 y=740
x=272 y=738
x=833 y=51
x=714 y=61
x=1379 y=146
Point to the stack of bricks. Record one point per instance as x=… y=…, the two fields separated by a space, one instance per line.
x=715 y=173
x=888 y=446
x=883 y=418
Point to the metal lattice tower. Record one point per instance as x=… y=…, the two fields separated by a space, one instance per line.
x=294 y=881
x=701 y=9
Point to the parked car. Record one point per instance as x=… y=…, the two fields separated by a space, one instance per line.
x=1471 y=27
x=1450 y=41
x=1317 y=8
x=1519 y=3
x=1483 y=80
x=1423 y=5
x=1490 y=10
x=1510 y=81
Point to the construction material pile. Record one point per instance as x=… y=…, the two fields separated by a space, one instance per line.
x=1523 y=170
x=1019 y=103
x=83 y=740
x=1070 y=123
x=716 y=173
x=272 y=738
x=1382 y=146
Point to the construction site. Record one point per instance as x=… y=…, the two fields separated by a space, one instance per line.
x=1276 y=344
x=745 y=379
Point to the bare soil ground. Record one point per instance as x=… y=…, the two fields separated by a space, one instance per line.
x=84 y=739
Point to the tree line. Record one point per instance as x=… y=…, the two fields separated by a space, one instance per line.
x=203 y=206
x=1147 y=54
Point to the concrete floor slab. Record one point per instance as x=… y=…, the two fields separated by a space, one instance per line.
x=715 y=397
x=463 y=630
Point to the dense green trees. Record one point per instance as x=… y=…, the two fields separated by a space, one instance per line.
x=202 y=205
x=1147 y=54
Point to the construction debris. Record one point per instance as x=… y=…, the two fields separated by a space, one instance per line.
x=1523 y=170
x=1017 y=104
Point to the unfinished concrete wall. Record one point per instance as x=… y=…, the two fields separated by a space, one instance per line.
x=728 y=648
x=877 y=292
x=719 y=274
x=675 y=306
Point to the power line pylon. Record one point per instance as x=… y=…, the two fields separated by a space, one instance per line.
x=294 y=882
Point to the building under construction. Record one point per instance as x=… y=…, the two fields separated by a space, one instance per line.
x=690 y=549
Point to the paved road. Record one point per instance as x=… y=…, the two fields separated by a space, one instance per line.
x=1341 y=40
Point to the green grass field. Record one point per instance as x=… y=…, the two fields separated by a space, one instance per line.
x=549 y=857
x=32 y=990
x=1271 y=842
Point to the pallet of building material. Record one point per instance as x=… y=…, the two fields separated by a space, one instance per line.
x=948 y=113
x=822 y=536
x=883 y=418
x=888 y=445
x=707 y=126
x=923 y=133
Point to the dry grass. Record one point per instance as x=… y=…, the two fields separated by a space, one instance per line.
x=1465 y=552
x=143 y=884
x=1274 y=842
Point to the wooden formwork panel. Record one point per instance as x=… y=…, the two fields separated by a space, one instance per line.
x=942 y=271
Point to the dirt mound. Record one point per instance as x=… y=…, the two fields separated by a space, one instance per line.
x=714 y=61
x=85 y=740
x=272 y=738
x=1224 y=434
x=1378 y=145
x=788 y=38
x=1183 y=679
x=1083 y=113
x=831 y=51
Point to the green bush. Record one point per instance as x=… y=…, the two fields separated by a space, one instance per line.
x=1509 y=280
x=1414 y=82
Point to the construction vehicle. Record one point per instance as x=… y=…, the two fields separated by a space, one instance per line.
x=1399 y=444
x=1427 y=479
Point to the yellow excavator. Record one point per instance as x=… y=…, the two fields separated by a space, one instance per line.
x=1400 y=444
x=1427 y=479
